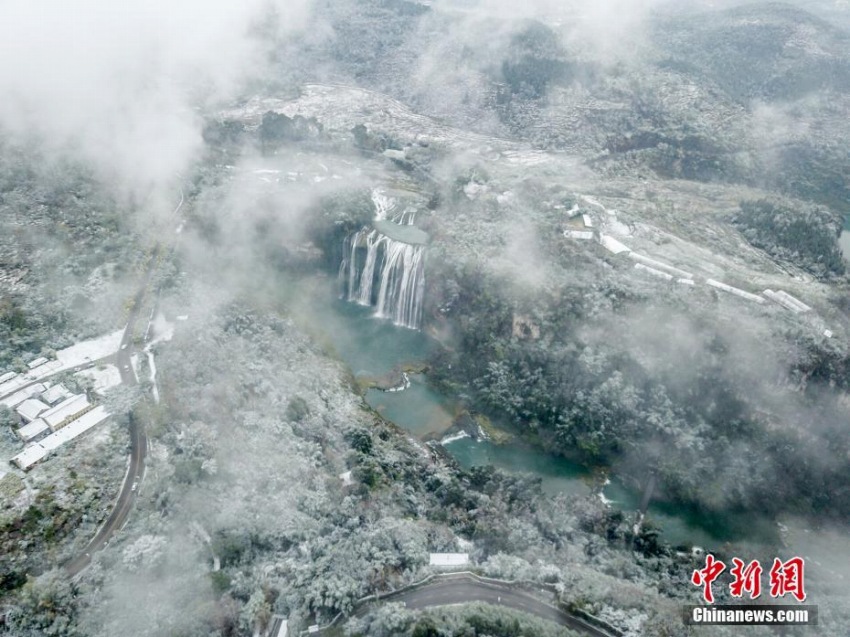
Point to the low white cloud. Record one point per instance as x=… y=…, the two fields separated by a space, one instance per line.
x=120 y=83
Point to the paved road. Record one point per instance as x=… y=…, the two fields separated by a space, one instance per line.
x=449 y=590
x=138 y=442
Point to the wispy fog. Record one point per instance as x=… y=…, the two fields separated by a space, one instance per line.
x=122 y=83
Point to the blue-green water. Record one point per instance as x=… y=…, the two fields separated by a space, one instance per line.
x=372 y=347
x=419 y=409
x=559 y=475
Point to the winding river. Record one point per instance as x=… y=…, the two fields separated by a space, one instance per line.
x=371 y=347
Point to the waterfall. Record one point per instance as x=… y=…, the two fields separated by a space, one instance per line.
x=383 y=272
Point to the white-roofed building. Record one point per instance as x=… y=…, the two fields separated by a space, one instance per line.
x=38 y=450
x=30 y=409
x=736 y=291
x=279 y=626
x=55 y=394
x=32 y=430
x=57 y=416
x=7 y=376
x=20 y=396
x=41 y=360
x=449 y=559
x=29 y=456
x=612 y=245
x=75 y=427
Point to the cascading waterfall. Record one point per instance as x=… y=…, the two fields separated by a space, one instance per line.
x=391 y=274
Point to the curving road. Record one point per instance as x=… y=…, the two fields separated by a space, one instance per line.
x=464 y=588
x=138 y=442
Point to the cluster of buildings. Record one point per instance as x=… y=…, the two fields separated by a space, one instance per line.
x=580 y=226
x=49 y=416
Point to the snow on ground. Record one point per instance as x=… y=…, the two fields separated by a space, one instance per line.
x=347 y=481
x=88 y=351
x=339 y=107
x=104 y=377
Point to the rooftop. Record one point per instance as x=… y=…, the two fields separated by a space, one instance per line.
x=29 y=456
x=449 y=559
x=20 y=396
x=41 y=360
x=32 y=430
x=31 y=408
x=67 y=408
x=55 y=394
x=38 y=450
x=75 y=428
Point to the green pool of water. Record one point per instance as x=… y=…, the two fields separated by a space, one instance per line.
x=419 y=409
x=372 y=347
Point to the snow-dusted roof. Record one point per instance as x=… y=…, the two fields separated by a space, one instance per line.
x=75 y=428
x=612 y=245
x=55 y=394
x=31 y=408
x=32 y=430
x=449 y=559
x=41 y=360
x=659 y=265
x=282 y=627
x=66 y=409
x=7 y=376
x=786 y=300
x=38 y=450
x=29 y=456
x=654 y=272
x=20 y=396
x=735 y=291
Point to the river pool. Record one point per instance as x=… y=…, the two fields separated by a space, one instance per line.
x=372 y=347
